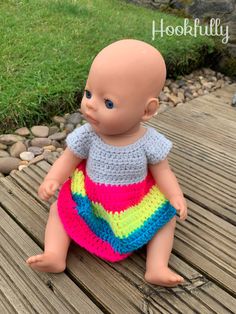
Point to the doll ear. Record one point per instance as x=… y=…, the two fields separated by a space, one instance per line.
x=151 y=108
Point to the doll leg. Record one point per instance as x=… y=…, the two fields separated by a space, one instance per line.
x=56 y=246
x=158 y=253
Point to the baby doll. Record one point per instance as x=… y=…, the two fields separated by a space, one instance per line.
x=117 y=191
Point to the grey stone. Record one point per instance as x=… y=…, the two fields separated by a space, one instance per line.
x=74 y=118
x=174 y=99
x=35 y=150
x=58 y=119
x=58 y=136
x=176 y=4
x=168 y=82
x=3 y=153
x=175 y=91
x=200 y=92
x=163 y=107
x=40 y=130
x=234 y=100
x=3 y=146
x=62 y=126
x=40 y=141
x=27 y=156
x=53 y=129
x=16 y=149
x=23 y=131
x=50 y=148
x=181 y=83
x=201 y=8
x=9 y=139
x=69 y=127
x=55 y=143
x=180 y=95
x=163 y=97
x=21 y=167
x=7 y=164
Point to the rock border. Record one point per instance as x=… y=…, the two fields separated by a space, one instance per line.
x=29 y=146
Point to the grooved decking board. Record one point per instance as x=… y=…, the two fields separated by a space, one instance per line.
x=122 y=282
x=26 y=291
x=204 y=160
x=204 y=152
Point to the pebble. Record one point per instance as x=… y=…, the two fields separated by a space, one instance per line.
x=24 y=162
x=35 y=150
x=23 y=131
x=58 y=119
x=50 y=148
x=16 y=149
x=58 y=136
x=26 y=156
x=7 y=164
x=3 y=146
x=22 y=167
x=40 y=130
x=53 y=129
x=74 y=118
x=234 y=100
x=69 y=127
x=9 y=139
x=42 y=142
x=3 y=153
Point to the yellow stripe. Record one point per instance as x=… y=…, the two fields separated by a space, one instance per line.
x=127 y=221
x=77 y=183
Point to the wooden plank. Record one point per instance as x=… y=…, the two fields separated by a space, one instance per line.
x=181 y=299
x=28 y=291
x=208 y=243
x=84 y=269
x=204 y=153
x=129 y=272
x=194 y=120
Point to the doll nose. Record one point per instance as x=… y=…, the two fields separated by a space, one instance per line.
x=90 y=105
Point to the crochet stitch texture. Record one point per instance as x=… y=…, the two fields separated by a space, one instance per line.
x=111 y=206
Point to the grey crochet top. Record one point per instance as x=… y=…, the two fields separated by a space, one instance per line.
x=118 y=165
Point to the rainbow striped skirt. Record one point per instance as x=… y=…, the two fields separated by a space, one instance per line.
x=112 y=221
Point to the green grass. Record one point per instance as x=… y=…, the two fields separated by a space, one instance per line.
x=47 y=47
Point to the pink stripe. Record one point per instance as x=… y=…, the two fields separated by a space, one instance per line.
x=78 y=230
x=123 y=196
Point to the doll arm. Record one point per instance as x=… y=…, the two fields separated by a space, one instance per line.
x=165 y=179
x=78 y=143
x=63 y=167
x=169 y=186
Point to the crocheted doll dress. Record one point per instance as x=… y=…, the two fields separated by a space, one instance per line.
x=111 y=205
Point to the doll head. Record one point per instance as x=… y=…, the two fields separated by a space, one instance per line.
x=123 y=84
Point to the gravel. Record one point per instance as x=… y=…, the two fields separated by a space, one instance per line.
x=28 y=146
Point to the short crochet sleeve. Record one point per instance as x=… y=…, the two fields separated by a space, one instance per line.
x=79 y=141
x=157 y=147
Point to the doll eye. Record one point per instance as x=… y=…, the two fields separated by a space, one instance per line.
x=88 y=94
x=109 y=104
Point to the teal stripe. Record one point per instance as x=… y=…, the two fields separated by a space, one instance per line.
x=137 y=238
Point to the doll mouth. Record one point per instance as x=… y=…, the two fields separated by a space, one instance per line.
x=90 y=119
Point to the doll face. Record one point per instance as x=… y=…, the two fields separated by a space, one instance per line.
x=111 y=103
x=123 y=78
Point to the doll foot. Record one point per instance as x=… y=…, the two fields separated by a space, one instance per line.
x=164 y=277
x=46 y=262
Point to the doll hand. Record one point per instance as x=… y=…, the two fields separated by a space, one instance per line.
x=48 y=188
x=179 y=202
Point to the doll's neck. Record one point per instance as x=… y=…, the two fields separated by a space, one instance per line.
x=127 y=138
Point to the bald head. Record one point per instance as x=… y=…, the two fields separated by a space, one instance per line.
x=135 y=62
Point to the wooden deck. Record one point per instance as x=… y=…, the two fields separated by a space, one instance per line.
x=204 y=160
